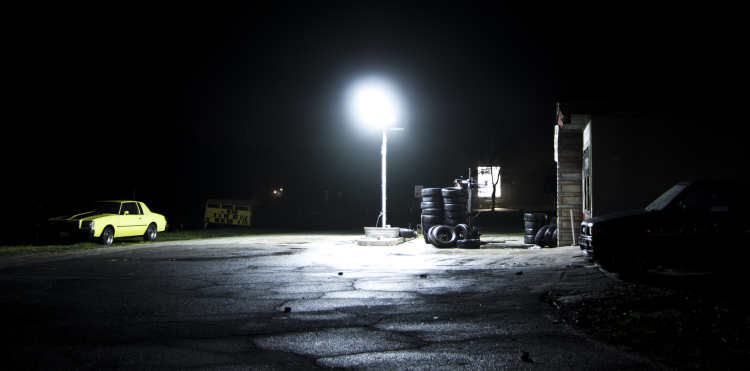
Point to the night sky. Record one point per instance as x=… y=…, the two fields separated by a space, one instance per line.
x=186 y=102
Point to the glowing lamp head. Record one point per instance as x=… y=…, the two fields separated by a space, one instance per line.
x=375 y=109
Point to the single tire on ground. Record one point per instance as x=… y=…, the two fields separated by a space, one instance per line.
x=554 y=237
x=407 y=233
x=456 y=214
x=454 y=200
x=534 y=217
x=433 y=199
x=548 y=240
x=453 y=192
x=443 y=236
x=432 y=192
x=528 y=239
x=539 y=238
x=468 y=244
x=461 y=231
x=150 y=235
x=432 y=219
x=454 y=207
x=439 y=211
x=432 y=205
x=534 y=225
x=426 y=232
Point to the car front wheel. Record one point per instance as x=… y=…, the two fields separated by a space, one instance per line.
x=108 y=234
x=150 y=234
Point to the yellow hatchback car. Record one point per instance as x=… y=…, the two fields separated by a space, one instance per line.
x=107 y=220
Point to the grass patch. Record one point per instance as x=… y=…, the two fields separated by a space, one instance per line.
x=176 y=235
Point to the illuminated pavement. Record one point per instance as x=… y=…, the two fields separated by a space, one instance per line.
x=298 y=302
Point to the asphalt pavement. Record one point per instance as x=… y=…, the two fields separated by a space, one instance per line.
x=299 y=302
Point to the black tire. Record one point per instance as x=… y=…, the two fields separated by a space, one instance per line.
x=462 y=231
x=534 y=217
x=433 y=199
x=432 y=192
x=468 y=244
x=407 y=233
x=454 y=200
x=528 y=239
x=432 y=205
x=554 y=238
x=532 y=231
x=456 y=214
x=454 y=207
x=433 y=211
x=150 y=235
x=456 y=221
x=443 y=236
x=534 y=225
x=453 y=192
x=426 y=232
x=604 y=258
x=630 y=262
x=432 y=219
x=548 y=240
x=539 y=238
x=108 y=235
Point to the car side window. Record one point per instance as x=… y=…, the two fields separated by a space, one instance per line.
x=130 y=207
x=140 y=211
x=706 y=199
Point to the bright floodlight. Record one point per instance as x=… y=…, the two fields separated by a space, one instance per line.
x=375 y=109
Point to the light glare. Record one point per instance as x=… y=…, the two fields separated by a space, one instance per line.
x=373 y=101
x=375 y=109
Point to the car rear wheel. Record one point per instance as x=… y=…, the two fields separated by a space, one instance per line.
x=150 y=234
x=108 y=234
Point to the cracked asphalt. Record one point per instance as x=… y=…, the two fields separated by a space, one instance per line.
x=299 y=303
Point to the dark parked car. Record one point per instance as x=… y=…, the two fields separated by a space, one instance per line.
x=696 y=223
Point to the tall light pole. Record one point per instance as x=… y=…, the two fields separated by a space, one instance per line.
x=376 y=111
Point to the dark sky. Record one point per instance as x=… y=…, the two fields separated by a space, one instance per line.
x=192 y=101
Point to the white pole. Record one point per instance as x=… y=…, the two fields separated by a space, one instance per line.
x=385 y=140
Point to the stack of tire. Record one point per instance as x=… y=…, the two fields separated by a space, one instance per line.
x=433 y=212
x=547 y=235
x=456 y=208
x=533 y=222
x=457 y=217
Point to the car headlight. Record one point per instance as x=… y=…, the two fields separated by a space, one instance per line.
x=87 y=224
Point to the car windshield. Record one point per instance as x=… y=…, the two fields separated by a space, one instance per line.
x=664 y=200
x=102 y=207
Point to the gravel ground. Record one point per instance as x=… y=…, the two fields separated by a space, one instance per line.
x=684 y=321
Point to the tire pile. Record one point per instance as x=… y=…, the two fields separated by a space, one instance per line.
x=445 y=216
x=537 y=232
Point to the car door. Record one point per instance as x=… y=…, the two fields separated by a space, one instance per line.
x=130 y=220
x=696 y=224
